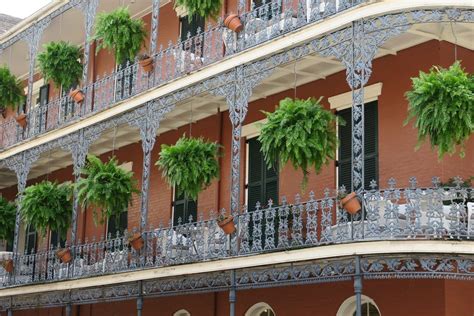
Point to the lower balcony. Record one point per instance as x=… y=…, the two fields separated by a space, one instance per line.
x=403 y=214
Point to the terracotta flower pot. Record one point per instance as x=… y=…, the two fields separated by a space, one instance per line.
x=136 y=241
x=233 y=22
x=8 y=265
x=227 y=225
x=64 y=255
x=351 y=203
x=146 y=64
x=21 y=120
x=77 y=95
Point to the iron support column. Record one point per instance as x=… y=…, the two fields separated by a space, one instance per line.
x=140 y=299
x=358 y=287
x=232 y=294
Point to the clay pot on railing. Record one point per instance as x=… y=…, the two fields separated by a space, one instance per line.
x=146 y=62
x=232 y=22
x=77 y=95
x=64 y=255
x=7 y=265
x=21 y=120
x=136 y=241
x=226 y=223
x=351 y=203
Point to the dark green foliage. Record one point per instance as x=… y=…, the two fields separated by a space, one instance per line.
x=106 y=187
x=442 y=103
x=11 y=90
x=302 y=132
x=7 y=220
x=119 y=32
x=204 y=8
x=48 y=205
x=60 y=62
x=190 y=165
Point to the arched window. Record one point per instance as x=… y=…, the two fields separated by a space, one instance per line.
x=348 y=308
x=182 y=312
x=260 y=309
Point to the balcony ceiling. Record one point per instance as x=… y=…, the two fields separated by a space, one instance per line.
x=310 y=68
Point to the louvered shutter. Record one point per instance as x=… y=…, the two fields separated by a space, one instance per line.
x=255 y=175
x=370 y=144
x=183 y=208
x=56 y=239
x=115 y=226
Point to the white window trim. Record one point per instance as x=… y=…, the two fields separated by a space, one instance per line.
x=252 y=130
x=36 y=90
x=258 y=308
x=344 y=100
x=182 y=312
x=347 y=308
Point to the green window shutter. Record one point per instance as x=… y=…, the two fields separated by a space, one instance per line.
x=43 y=95
x=370 y=144
x=263 y=182
x=115 y=226
x=56 y=239
x=183 y=208
x=30 y=239
x=191 y=27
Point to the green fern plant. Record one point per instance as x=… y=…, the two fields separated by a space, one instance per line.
x=117 y=31
x=11 y=90
x=203 y=8
x=190 y=165
x=7 y=220
x=106 y=187
x=60 y=62
x=302 y=132
x=48 y=205
x=442 y=104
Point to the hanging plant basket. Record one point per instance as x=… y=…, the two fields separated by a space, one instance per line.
x=22 y=120
x=47 y=205
x=64 y=255
x=7 y=220
x=60 y=63
x=136 y=241
x=442 y=104
x=301 y=132
x=11 y=90
x=350 y=202
x=232 y=22
x=106 y=187
x=190 y=165
x=146 y=62
x=120 y=33
x=226 y=223
x=203 y=8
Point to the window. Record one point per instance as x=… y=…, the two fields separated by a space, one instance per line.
x=260 y=309
x=42 y=101
x=191 y=28
x=348 y=307
x=30 y=240
x=183 y=208
x=116 y=225
x=370 y=142
x=262 y=182
x=182 y=312
x=56 y=240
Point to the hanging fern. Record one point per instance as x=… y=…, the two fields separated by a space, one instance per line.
x=60 y=62
x=7 y=220
x=119 y=32
x=302 y=132
x=48 y=205
x=190 y=165
x=203 y=8
x=106 y=187
x=442 y=103
x=11 y=90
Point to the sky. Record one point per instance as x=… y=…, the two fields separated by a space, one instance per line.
x=21 y=8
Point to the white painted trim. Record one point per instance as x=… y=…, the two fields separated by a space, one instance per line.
x=302 y=35
x=253 y=129
x=182 y=312
x=282 y=257
x=344 y=100
x=258 y=308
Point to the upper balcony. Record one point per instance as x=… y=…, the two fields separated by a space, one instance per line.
x=180 y=61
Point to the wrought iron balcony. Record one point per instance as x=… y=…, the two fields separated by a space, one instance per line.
x=412 y=213
x=261 y=24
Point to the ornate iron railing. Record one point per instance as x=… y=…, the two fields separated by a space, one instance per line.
x=261 y=24
x=411 y=213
